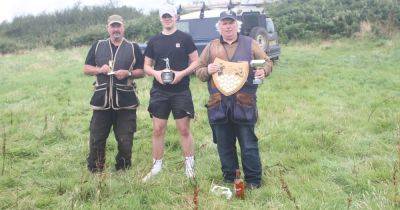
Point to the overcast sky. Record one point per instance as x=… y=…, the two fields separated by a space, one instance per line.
x=12 y=8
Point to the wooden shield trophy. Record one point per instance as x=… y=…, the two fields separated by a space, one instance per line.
x=231 y=77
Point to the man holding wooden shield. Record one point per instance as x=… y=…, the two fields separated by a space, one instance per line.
x=232 y=110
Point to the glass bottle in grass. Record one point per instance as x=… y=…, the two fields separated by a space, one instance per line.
x=239 y=185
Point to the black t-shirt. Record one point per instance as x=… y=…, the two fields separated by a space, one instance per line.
x=176 y=47
x=90 y=58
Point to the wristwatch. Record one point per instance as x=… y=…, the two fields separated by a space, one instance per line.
x=129 y=73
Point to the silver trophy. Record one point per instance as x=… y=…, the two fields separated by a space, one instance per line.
x=167 y=76
x=111 y=65
x=256 y=64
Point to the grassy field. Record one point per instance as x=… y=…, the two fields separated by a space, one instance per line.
x=329 y=135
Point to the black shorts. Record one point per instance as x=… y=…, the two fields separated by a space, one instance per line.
x=163 y=102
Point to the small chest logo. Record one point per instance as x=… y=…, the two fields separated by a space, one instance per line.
x=178 y=45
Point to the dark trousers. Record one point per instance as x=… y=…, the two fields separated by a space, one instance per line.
x=226 y=135
x=124 y=126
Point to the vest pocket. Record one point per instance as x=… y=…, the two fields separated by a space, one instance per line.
x=100 y=97
x=125 y=96
x=215 y=109
x=245 y=108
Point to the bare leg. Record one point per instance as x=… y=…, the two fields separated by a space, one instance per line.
x=183 y=126
x=159 y=127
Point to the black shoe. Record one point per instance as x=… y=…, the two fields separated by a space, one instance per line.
x=122 y=164
x=122 y=167
x=252 y=186
x=95 y=170
x=228 y=181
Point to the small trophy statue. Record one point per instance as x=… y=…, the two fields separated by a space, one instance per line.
x=168 y=75
x=256 y=64
x=111 y=65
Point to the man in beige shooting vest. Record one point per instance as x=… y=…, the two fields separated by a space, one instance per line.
x=115 y=62
x=233 y=114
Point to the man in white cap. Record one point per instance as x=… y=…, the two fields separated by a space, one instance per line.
x=172 y=49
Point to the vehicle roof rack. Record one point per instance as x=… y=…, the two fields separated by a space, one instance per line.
x=199 y=5
x=199 y=9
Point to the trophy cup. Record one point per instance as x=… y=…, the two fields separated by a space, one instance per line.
x=256 y=64
x=168 y=75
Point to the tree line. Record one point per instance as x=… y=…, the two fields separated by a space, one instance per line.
x=294 y=20
x=73 y=27
x=309 y=19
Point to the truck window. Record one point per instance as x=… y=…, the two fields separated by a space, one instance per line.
x=183 y=26
x=199 y=29
x=203 y=29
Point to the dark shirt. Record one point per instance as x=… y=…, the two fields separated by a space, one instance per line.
x=90 y=58
x=224 y=42
x=176 y=47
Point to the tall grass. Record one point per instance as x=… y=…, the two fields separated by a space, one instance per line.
x=328 y=135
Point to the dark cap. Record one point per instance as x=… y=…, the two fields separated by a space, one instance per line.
x=227 y=15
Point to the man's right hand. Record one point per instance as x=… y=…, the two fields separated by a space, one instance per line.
x=157 y=76
x=104 y=69
x=212 y=68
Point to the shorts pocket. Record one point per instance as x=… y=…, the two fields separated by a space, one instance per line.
x=100 y=96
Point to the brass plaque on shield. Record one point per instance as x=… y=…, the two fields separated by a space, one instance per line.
x=231 y=76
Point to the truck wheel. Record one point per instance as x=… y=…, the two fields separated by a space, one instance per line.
x=275 y=60
x=260 y=35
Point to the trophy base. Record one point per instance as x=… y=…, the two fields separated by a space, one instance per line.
x=257 y=81
x=167 y=77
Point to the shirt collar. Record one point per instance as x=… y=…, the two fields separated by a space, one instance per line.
x=224 y=42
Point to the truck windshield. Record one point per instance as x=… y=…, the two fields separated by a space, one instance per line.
x=183 y=26
x=199 y=29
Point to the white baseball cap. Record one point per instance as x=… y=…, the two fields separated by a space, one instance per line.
x=167 y=9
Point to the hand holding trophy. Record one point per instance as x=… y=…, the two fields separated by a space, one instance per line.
x=255 y=64
x=111 y=65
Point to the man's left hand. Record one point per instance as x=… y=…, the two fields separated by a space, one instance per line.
x=178 y=77
x=121 y=74
x=259 y=73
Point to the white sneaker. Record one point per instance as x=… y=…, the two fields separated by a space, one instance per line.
x=157 y=166
x=189 y=167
